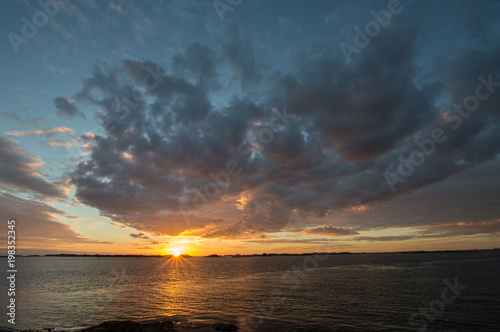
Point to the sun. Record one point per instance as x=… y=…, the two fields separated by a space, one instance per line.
x=176 y=252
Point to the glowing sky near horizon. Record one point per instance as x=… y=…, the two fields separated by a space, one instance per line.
x=156 y=127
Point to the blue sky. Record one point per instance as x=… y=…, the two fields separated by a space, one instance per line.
x=82 y=174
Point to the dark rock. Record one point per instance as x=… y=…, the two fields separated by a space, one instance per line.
x=129 y=326
x=225 y=327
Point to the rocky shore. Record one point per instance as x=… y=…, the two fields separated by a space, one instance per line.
x=130 y=326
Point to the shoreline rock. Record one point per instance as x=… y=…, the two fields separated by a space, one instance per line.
x=131 y=326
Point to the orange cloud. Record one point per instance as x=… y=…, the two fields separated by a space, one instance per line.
x=61 y=144
x=45 y=131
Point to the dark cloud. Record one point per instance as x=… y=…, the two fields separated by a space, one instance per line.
x=384 y=238
x=330 y=231
x=323 y=241
x=143 y=236
x=167 y=138
x=139 y=236
x=464 y=204
x=18 y=170
x=199 y=63
x=238 y=51
x=355 y=114
x=66 y=108
x=442 y=231
x=460 y=229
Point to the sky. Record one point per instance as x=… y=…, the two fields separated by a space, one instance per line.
x=239 y=126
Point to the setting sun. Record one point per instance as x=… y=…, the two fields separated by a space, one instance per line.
x=176 y=252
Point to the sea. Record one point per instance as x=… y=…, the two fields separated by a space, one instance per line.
x=439 y=291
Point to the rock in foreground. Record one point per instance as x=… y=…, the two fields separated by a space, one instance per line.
x=130 y=326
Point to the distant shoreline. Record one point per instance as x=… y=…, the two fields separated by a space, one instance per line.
x=254 y=255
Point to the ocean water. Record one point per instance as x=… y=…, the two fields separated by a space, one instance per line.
x=342 y=292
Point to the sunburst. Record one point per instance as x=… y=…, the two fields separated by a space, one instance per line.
x=176 y=252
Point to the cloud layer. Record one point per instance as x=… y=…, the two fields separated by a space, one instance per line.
x=174 y=156
x=37 y=224
x=18 y=171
